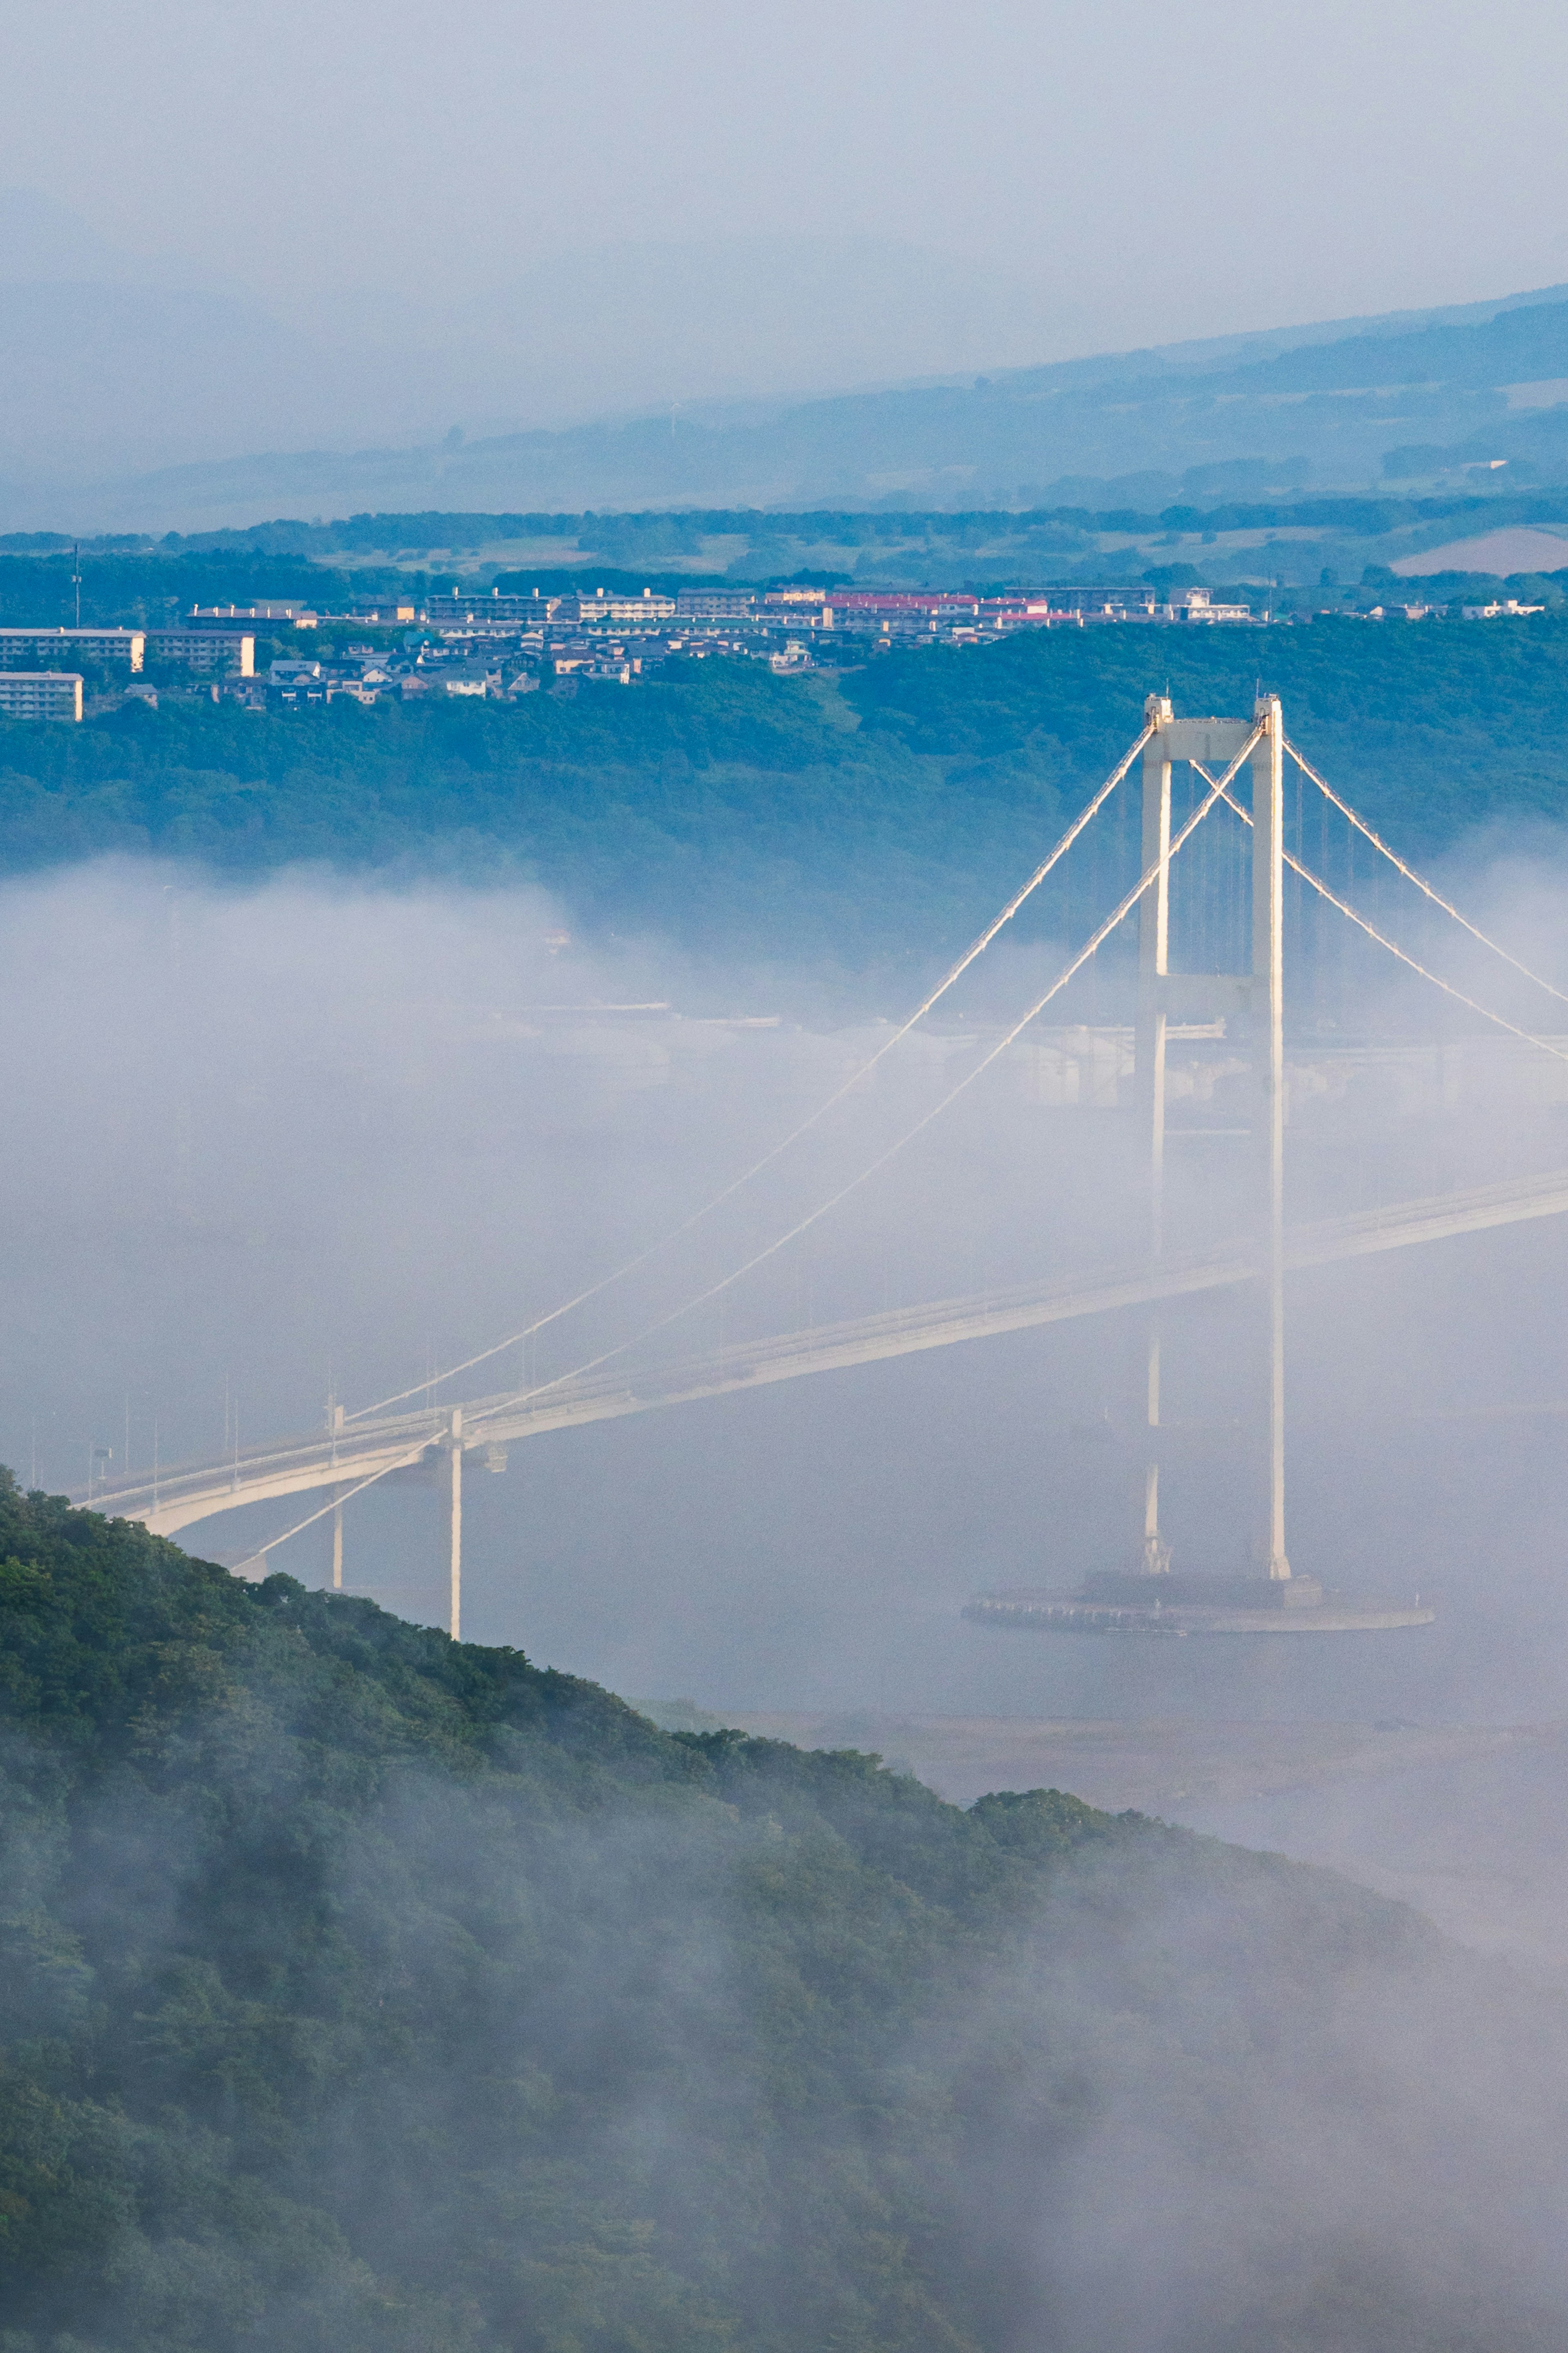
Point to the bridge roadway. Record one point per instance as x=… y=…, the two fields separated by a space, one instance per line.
x=372 y=1448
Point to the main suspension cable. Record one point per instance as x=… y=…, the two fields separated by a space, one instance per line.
x=1410 y=875
x=1437 y=982
x=688 y=1306
x=1084 y=817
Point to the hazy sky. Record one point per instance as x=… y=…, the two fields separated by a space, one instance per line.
x=1151 y=172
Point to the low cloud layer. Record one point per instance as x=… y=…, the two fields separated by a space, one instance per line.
x=303 y=1140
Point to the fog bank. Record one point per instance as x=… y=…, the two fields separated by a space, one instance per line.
x=276 y=1144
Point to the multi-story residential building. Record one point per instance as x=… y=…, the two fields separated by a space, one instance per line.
x=896 y=613
x=230 y=650
x=1042 y=608
x=40 y=694
x=1020 y=611
x=232 y=616
x=901 y=604
x=722 y=604
x=614 y=611
x=1198 y=605
x=126 y=646
x=471 y=605
x=475 y=641
x=1112 y=604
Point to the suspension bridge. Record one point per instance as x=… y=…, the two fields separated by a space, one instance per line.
x=410 y=1437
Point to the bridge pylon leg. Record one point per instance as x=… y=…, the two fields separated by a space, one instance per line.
x=1269 y=1051
x=1149 y=1080
x=337 y=1540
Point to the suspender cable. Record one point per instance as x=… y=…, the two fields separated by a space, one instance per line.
x=1410 y=875
x=1372 y=931
x=1447 y=986
x=978 y=948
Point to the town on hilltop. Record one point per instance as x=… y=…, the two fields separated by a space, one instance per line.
x=502 y=647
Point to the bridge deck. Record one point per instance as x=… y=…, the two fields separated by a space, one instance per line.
x=369 y=1450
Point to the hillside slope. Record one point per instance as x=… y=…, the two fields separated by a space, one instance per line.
x=883 y=814
x=363 y=1990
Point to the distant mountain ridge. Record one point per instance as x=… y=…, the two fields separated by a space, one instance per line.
x=1437 y=396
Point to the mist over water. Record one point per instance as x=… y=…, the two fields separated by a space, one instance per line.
x=1383 y=2176
x=309 y=1139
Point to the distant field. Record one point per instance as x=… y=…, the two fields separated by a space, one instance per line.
x=1295 y=552
x=1520 y=549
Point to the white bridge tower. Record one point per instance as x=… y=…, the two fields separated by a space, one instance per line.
x=1253 y=1000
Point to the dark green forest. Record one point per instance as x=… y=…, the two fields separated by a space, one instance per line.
x=882 y=810
x=365 y=1991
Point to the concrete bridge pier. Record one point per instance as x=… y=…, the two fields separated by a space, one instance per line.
x=334 y=1430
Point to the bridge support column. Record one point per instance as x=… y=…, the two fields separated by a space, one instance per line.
x=1269 y=1050
x=335 y=1427
x=1149 y=1080
x=455 y=1450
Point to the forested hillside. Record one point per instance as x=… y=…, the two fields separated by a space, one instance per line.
x=364 y=1991
x=1223 y=523
x=882 y=811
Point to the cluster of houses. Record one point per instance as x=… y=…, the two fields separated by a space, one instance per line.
x=500 y=646
x=503 y=646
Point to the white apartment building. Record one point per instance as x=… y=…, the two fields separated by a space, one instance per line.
x=19 y=646
x=231 y=650
x=638 y=611
x=40 y=694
